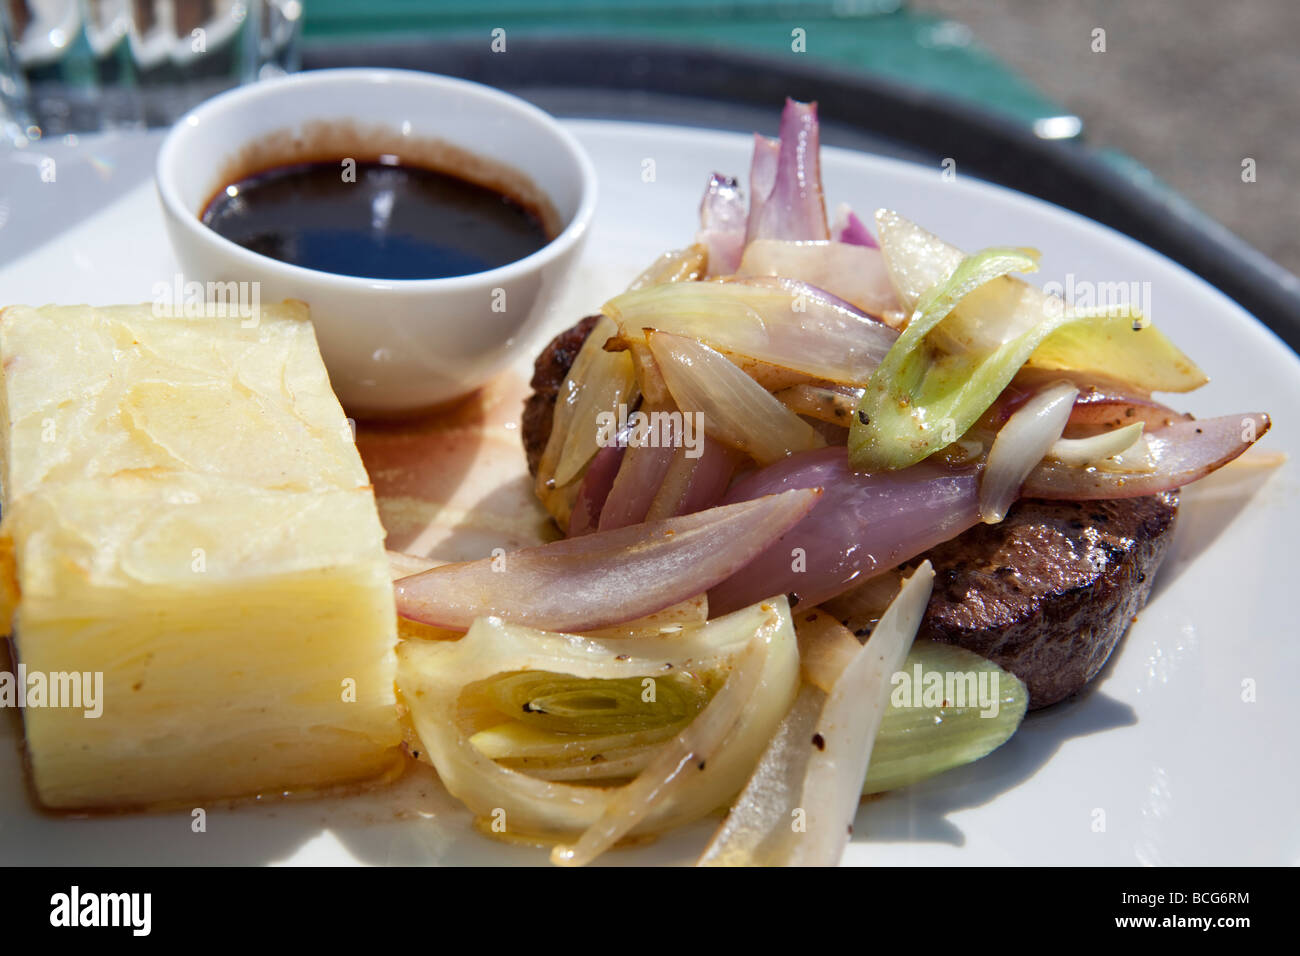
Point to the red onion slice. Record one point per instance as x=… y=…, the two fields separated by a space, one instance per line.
x=710 y=478
x=594 y=490
x=1181 y=453
x=639 y=477
x=579 y=584
x=693 y=484
x=1101 y=405
x=795 y=208
x=1090 y=416
x=675 y=265
x=864 y=523
x=644 y=465
x=722 y=224
x=850 y=229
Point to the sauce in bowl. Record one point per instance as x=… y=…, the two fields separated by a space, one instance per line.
x=375 y=219
x=374 y=203
x=392 y=347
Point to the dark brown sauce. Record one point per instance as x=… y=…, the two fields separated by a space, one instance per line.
x=374 y=204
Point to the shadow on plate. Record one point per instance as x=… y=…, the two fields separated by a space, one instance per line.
x=1207 y=509
x=920 y=813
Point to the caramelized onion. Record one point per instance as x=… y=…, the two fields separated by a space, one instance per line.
x=1179 y=453
x=864 y=524
x=593 y=581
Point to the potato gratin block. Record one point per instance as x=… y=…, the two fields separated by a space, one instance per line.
x=185 y=511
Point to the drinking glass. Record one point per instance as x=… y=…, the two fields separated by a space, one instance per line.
x=73 y=66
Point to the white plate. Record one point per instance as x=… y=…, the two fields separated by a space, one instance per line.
x=1162 y=761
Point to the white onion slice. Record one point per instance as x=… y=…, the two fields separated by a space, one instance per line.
x=758 y=830
x=597 y=382
x=617 y=768
x=676 y=265
x=786 y=324
x=432 y=676
x=825 y=648
x=676 y=765
x=593 y=581
x=1086 y=451
x=1138 y=458
x=734 y=409
x=821 y=773
x=917 y=260
x=996 y=312
x=1020 y=445
x=834 y=405
x=854 y=273
x=849 y=722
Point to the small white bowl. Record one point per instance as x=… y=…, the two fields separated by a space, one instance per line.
x=391 y=346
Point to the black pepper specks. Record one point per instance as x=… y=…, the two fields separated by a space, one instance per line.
x=819 y=741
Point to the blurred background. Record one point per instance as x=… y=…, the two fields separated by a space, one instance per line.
x=1194 y=102
x=1188 y=89
x=74 y=66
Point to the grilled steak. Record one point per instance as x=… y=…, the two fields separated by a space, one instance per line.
x=548 y=375
x=1046 y=594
